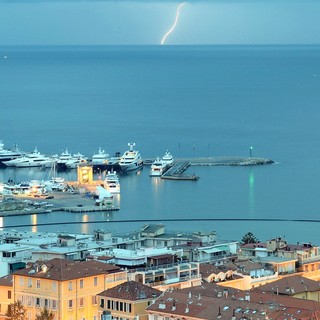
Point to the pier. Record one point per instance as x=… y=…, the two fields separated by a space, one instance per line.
x=176 y=172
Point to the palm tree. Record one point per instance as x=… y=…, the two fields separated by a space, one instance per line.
x=16 y=311
x=45 y=314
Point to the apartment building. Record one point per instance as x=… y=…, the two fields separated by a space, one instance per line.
x=66 y=287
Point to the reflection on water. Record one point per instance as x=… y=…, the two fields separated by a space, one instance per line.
x=251 y=194
x=34 y=221
x=84 y=226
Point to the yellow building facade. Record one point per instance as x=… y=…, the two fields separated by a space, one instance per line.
x=128 y=301
x=66 y=287
x=6 y=294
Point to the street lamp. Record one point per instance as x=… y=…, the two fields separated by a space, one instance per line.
x=251 y=152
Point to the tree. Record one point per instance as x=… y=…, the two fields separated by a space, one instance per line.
x=45 y=314
x=16 y=311
x=249 y=238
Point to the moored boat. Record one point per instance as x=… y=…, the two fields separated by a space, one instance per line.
x=158 y=168
x=168 y=159
x=131 y=159
x=111 y=182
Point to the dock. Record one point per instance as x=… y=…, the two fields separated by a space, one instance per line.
x=218 y=161
x=176 y=172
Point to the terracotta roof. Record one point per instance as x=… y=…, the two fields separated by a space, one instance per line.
x=132 y=291
x=6 y=281
x=207 y=269
x=203 y=302
x=290 y=286
x=62 y=269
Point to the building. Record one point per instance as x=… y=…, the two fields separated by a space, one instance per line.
x=6 y=294
x=66 y=287
x=294 y=286
x=128 y=300
x=209 y=301
x=175 y=275
x=286 y=258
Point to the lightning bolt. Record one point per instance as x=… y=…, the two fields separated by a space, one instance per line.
x=175 y=23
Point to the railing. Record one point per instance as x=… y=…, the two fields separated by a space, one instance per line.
x=187 y=265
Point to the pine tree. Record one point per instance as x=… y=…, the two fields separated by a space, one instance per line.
x=249 y=238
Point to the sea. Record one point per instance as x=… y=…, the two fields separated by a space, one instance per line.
x=195 y=101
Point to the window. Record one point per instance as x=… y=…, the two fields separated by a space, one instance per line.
x=9 y=294
x=81 y=302
x=109 y=304
x=81 y=283
x=54 y=286
x=38 y=283
x=70 y=285
x=29 y=302
x=70 y=304
x=46 y=303
x=38 y=302
x=54 y=304
x=29 y=282
x=102 y=303
x=21 y=281
x=95 y=281
x=94 y=299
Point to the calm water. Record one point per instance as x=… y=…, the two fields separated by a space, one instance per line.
x=194 y=101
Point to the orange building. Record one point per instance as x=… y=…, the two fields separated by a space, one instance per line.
x=6 y=294
x=66 y=287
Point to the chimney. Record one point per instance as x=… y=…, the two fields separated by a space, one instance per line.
x=247 y=296
x=187 y=308
x=219 y=314
x=174 y=305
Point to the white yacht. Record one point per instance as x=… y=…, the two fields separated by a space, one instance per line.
x=111 y=182
x=76 y=160
x=131 y=159
x=100 y=158
x=158 y=168
x=62 y=159
x=168 y=159
x=33 y=159
x=6 y=154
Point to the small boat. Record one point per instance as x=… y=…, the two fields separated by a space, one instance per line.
x=168 y=159
x=131 y=159
x=158 y=168
x=111 y=182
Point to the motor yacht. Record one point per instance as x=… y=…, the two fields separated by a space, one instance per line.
x=76 y=160
x=62 y=159
x=100 y=158
x=158 y=168
x=33 y=159
x=111 y=182
x=131 y=159
x=168 y=159
x=7 y=154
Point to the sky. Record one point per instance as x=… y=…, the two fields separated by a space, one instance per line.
x=145 y=22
